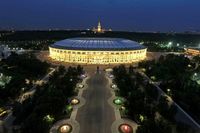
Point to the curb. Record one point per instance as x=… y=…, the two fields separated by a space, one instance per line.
x=72 y=120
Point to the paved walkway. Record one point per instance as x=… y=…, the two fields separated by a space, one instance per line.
x=96 y=116
x=71 y=120
x=8 y=121
x=119 y=120
x=96 y=112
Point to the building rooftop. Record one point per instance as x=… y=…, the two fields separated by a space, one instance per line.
x=97 y=44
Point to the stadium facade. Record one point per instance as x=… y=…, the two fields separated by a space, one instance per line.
x=97 y=51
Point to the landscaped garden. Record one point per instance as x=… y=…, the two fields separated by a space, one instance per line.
x=50 y=103
x=143 y=105
x=18 y=73
x=177 y=75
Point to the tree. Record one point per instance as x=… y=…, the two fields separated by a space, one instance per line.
x=166 y=110
x=79 y=69
x=151 y=91
x=152 y=126
x=61 y=70
x=131 y=69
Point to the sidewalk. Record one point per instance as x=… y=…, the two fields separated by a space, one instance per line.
x=72 y=120
x=8 y=121
x=119 y=120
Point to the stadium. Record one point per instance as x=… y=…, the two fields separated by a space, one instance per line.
x=97 y=51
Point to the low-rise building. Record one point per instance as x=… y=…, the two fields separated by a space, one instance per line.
x=192 y=51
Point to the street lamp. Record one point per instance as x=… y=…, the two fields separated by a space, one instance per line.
x=189 y=65
x=65 y=128
x=75 y=101
x=125 y=128
x=118 y=101
x=168 y=91
x=114 y=86
x=80 y=85
x=195 y=74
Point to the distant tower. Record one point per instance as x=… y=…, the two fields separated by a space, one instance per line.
x=99 y=27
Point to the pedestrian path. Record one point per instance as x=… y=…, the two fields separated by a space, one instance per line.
x=72 y=120
x=96 y=116
x=119 y=120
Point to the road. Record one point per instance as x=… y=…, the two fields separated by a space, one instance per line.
x=30 y=93
x=96 y=116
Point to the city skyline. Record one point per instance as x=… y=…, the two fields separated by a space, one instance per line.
x=151 y=15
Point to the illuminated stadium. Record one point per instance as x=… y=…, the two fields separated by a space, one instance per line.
x=97 y=51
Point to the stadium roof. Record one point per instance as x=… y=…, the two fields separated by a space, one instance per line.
x=97 y=44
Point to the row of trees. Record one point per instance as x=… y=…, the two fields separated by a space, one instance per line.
x=144 y=106
x=175 y=73
x=37 y=114
x=137 y=36
x=150 y=40
x=20 y=68
x=29 y=45
x=155 y=47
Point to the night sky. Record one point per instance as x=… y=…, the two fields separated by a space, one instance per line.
x=129 y=15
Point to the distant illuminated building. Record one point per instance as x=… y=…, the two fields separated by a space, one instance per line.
x=4 y=52
x=110 y=30
x=97 y=51
x=99 y=29
x=192 y=51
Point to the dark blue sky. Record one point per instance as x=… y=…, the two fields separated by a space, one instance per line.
x=136 y=15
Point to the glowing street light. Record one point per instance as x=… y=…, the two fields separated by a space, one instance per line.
x=189 y=65
x=65 y=128
x=83 y=76
x=75 y=101
x=123 y=108
x=170 y=43
x=49 y=118
x=114 y=86
x=118 y=101
x=80 y=85
x=169 y=92
x=195 y=74
x=111 y=76
x=125 y=128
